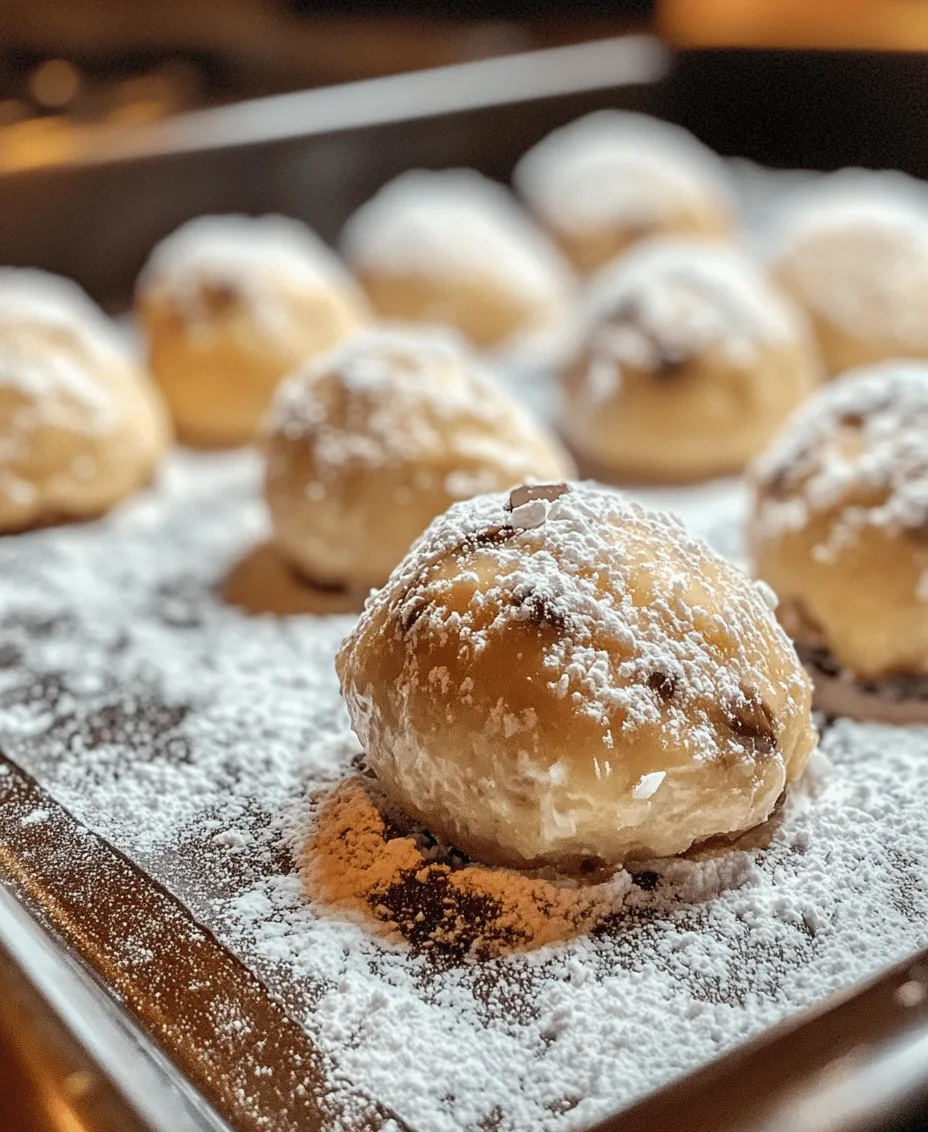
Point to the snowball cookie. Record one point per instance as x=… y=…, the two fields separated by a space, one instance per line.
x=558 y=676
x=840 y=519
x=367 y=445
x=611 y=178
x=686 y=364
x=230 y=305
x=855 y=256
x=454 y=247
x=80 y=426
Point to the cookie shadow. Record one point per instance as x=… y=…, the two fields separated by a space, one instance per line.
x=263 y=582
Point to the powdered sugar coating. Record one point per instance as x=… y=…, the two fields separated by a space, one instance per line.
x=861 y=447
x=617 y=167
x=79 y=425
x=39 y=298
x=411 y=391
x=854 y=250
x=458 y=225
x=569 y=561
x=599 y=640
x=669 y=300
x=245 y=252
x=366 y=445
x=50 y=380
x=188 y=735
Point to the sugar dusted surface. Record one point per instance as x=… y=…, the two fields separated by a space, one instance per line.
x=669 y=300
x=190 y=735
x=617 y=167
x=808 y=471
x=854 y=247
x=247 y=253
x=455 y=224
x=30 y=295
x=411 y=391
x=42 y=377
x=563 y=551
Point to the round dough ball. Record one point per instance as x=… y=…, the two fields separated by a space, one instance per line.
x=454 y=247
x=687 y=363
x=80 y=426
x=369 y=444
x=612 y=178
x=231 y=305
x=558 y=676
x=855 y=257
x=840 y=519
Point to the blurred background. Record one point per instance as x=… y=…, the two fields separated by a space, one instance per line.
x=792 y=82
x=86 y=83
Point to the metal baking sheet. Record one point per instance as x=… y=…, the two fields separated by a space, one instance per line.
x=316 y=155
x=104 y=641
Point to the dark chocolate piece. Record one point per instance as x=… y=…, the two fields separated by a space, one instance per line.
x=663 y=684
x=754 y=724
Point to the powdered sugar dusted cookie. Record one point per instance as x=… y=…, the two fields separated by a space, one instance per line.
x=559 y=676
x=367 y=445
x=454 y=247
x=80 y=426
x=611 y=178
x=839 y=529
x=230 y=305
x=854 y=254
x=687 y=362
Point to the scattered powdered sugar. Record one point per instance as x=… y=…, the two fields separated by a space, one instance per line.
x=854 y=250
x=29 y=295
x=394 y=394
x=617 y=167
x=860 y=447
x=246 y=254
x=190 y=736
x=669 y=300
x=456 y=224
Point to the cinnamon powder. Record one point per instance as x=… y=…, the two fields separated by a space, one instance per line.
x=437 y=901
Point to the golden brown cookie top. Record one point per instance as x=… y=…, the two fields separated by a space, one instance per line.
x=669 y=300
x=589 y=606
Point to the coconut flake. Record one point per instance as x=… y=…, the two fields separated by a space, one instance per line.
x=647 y=785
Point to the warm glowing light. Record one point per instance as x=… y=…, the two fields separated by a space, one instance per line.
x=55 y=83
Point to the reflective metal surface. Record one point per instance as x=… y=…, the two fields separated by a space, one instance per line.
x=69 y=1059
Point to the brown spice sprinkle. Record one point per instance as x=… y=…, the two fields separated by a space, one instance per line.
x=356 y=863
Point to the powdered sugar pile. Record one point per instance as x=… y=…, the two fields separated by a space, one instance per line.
x=854 y=250
x=190 y=735
x=614 y=167
x=861 y=447
x=667 y=301
x=456 y=225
